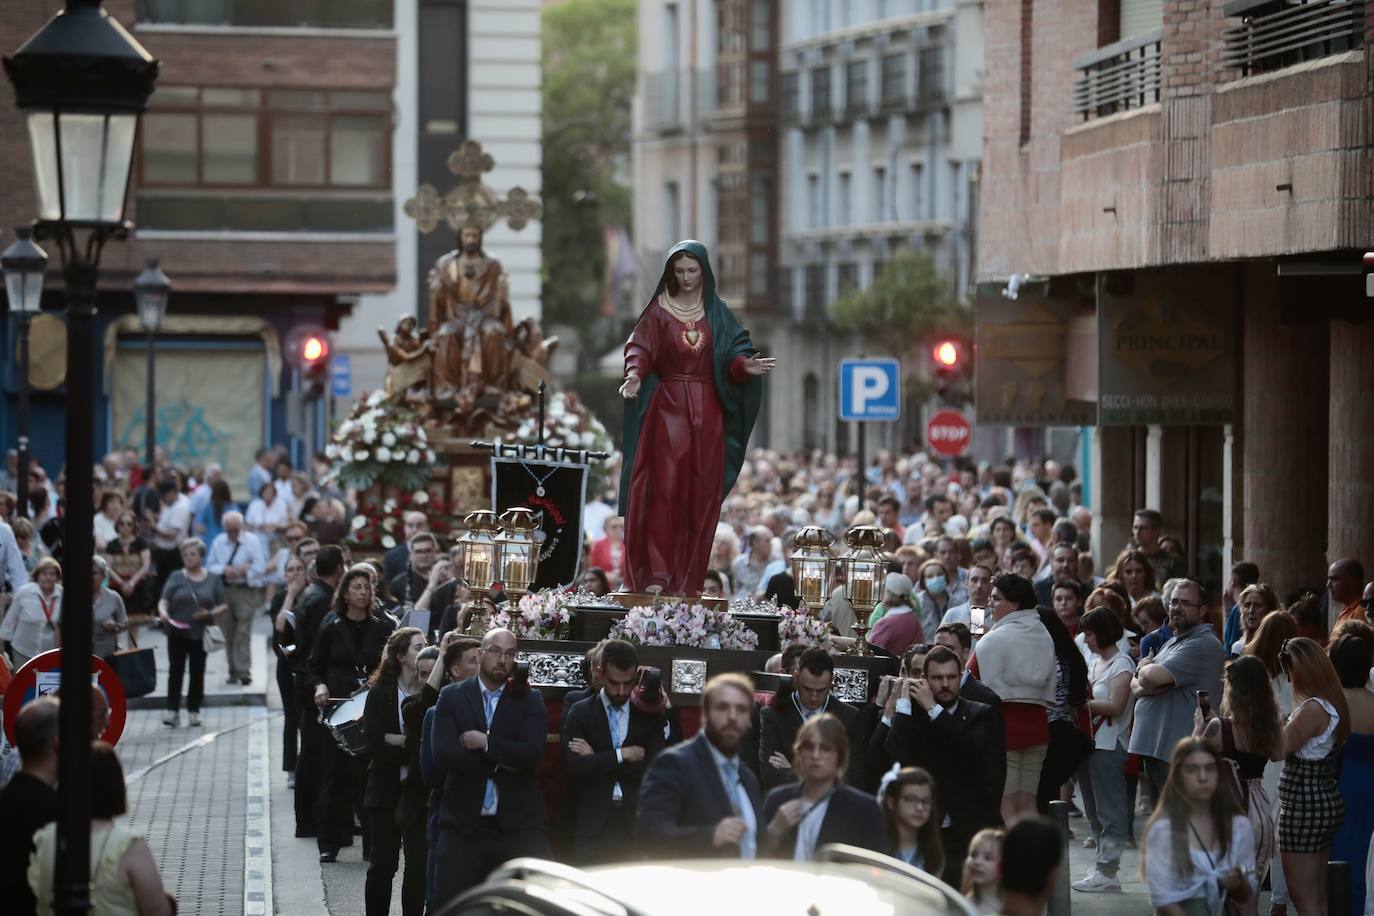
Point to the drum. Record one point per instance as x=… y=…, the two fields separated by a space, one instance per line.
x=345 y=723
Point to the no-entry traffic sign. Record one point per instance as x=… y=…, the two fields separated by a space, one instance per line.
x=948 y=433
x=42 y=675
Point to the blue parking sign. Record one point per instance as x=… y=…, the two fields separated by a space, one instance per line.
x=341 y=375
x=870 y=389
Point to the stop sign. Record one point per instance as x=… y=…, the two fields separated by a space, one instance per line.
x=948 y=433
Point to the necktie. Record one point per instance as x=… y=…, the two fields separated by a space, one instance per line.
x=733 y=789
x=489 y=799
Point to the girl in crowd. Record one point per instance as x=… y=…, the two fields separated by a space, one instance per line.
x=1248 y=736
x=913 y=821
x=1002 y=533
x=1352 y=656
x=33 y=623
x=982 y=868
x=804 y=816
x=131 y=566
x=124 y=877
x=1256 y=602
x=1103 y=776
x=1133 y=568
x=191 y=599
x=394 y=680
x=1199 y=848
x=1110 y=601
x=1068 y=743
x=1310 y=806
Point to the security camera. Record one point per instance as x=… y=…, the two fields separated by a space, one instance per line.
x=1013 y=288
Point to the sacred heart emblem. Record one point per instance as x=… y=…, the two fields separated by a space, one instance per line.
x=693 y=338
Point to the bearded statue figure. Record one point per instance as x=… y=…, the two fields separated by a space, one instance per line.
x=470 y=321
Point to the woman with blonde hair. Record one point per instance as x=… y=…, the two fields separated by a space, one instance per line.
x=1256 y=602
x=33 y=623
x=1133 y=568
x=1311 y=809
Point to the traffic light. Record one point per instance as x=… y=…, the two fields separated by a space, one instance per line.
x=951 y=371
x=308 y=350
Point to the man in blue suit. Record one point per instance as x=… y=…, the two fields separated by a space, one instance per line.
x=698 y=798
x=488 y=739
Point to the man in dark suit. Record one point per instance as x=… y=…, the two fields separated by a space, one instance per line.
x=698 y=799
x=958 y=639
x=311 y=610
x=394 y=560
x=954 y=739
x=1063 y=565
x=810 y=696
x=488 y=738
x=607 y=744
x=407 y=587
x=591 y=672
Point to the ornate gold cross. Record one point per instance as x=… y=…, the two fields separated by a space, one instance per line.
x=471 y=202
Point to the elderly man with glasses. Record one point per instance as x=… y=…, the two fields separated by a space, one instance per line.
x=1167 y=684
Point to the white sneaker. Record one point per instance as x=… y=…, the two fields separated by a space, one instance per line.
x=195 y=720
x=1090 y=843
x=172 y=719
x=1097 y=883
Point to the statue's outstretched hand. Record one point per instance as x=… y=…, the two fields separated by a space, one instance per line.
x=630 y=390
x=760 y=365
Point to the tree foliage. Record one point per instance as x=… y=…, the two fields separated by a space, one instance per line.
x=588 y=85
x=909 y=301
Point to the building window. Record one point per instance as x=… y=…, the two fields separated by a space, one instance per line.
x=813 y=201
x=760 y=80
x=820 y=93
x=847 y=278
x=815 y=288
x=856 y=87
x=226 y=137
x=758 y=275
x=761 y=28
x=894 y=79
x=811 y=409
x=788 y=96
x=932 y=75
x=917 y=180
x=846 y=214
x=880 y=195
x=1027 y=42
x=760 y=210
x=320 y=14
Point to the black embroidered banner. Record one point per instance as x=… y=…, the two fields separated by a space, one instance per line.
x=556 y=492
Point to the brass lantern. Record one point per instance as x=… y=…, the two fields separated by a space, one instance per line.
x=865 y=568
x=479 y=551
x=811 y=565
x=517 y=553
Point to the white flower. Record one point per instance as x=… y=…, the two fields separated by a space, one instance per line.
x=383 y=454
x=429 y=456
x=388 y=439
x=346 y=427
x=360 y=455
x=359 y=522
x=421 y=497
x=388 y=541
x=413 y=456
x=331 y=451
x=572 y=440
x=389 y=506
x=375 y=398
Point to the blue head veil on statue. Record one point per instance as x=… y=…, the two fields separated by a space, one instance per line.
x=739 y=402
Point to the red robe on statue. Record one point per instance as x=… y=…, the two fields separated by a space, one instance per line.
x=675 y=483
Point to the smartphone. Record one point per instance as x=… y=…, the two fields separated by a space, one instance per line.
x=976 y=616
x=1204 y=703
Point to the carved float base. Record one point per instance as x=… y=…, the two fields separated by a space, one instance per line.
x=644 y=599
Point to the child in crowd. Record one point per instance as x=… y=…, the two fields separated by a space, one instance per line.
x=981 y=871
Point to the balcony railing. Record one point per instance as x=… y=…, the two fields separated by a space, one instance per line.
x=1118 y=77
x=329 y=14
x=1275 y=35
x=676 y=100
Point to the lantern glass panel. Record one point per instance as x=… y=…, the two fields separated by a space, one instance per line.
x=479 y=561
x=87 y=179
x=25 y=290
x=810 y=574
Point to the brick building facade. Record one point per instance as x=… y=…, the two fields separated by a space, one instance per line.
x=1230 y=144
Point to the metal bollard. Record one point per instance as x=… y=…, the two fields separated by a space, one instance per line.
x=1337 y=888
x=1061 y=901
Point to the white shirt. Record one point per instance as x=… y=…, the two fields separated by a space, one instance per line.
x=1167 y=886
x=11 y=560
x=175 y=517
x=247 y=550
x=809 y=827
x=1101 y=675
x=621 y=715
x=104 y=530
x=26 y=622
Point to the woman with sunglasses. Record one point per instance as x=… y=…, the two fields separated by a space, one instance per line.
x=131 y=566
x=1311 y=809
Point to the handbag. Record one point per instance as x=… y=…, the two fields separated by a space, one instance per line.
x=1230 y=768
x=136 y=668
x=212 y=640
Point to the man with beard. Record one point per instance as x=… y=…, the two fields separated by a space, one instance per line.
x=698 y=799
x=488 y=738
x=470 y=319
x=607 y=743
x=1166 y=685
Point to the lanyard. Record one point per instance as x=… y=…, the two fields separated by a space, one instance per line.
x=49 y=607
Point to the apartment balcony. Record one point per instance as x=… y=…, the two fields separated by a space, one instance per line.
x=1118 y=77
x=676 y=101
x=1274 y=35
x=872 y=230
x=870 y=30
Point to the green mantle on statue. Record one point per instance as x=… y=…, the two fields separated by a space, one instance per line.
x=739 y=402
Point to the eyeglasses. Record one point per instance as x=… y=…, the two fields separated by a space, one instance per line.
x=508 y=655
x=1179 y=602
x=917 y=802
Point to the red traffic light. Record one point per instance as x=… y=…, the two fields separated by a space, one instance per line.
x=314 y=349
x=946 y=354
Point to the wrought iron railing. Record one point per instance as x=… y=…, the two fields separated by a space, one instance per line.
x=1273 y=35
x=1118 y=77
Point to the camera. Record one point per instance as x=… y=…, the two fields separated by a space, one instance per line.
x=648 y=695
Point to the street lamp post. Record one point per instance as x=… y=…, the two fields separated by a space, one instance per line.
x=151 y=289
x=81 y=83
x=24 y=264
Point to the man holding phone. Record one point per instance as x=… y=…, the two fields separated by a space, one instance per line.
x=979 y=594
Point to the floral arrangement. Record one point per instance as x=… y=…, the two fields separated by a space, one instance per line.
x=683 y=624
x=539 y=614
x=569 y=424
x=379 y=525
x=381 y=441
x=751 y=605
x=801 y=626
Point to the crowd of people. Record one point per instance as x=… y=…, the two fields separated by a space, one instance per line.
x=1231 y=737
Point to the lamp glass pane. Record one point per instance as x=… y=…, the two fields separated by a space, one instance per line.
x=96 y=150
x=23 y=290
x=150 y=307
x=43 y=146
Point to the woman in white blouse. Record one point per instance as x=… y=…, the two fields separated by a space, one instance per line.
x=33 y=622
x=267 y=513
x=1199 y=847
x=111 y=508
